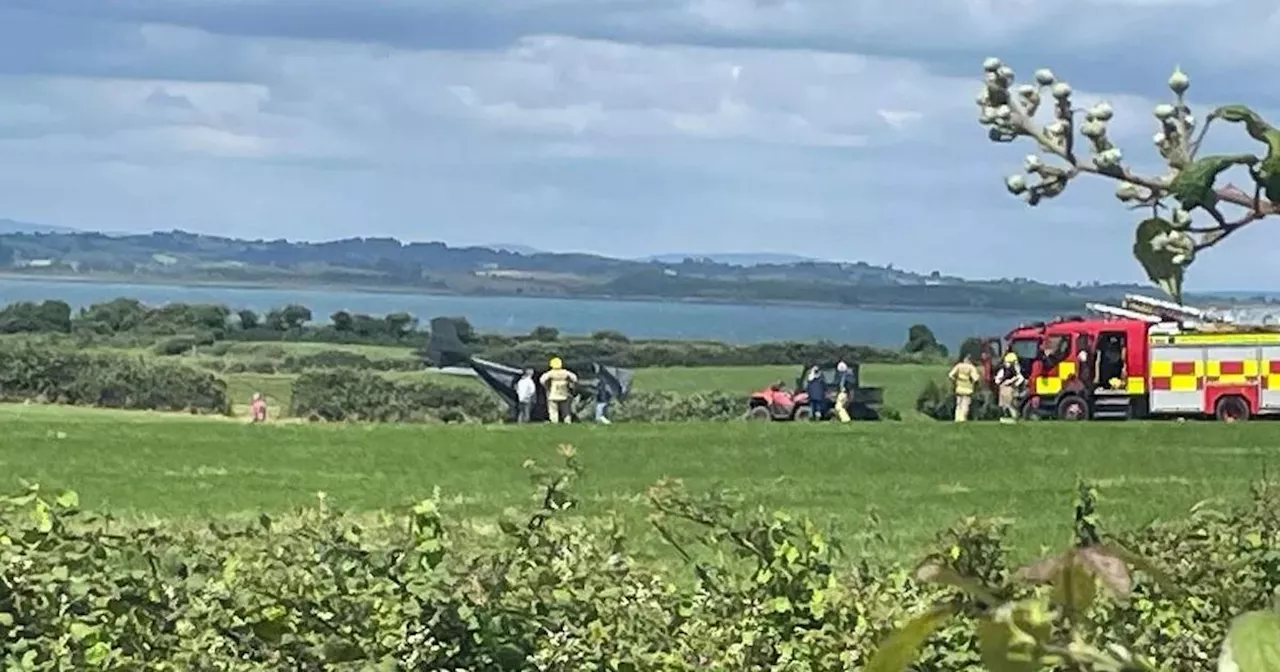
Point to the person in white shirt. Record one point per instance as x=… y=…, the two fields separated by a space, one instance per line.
x=526 y=392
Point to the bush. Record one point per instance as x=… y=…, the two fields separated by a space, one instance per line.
x=675 y=407
x=543 y=591
x=363 y=396
x=110 y=381
x=938 y=401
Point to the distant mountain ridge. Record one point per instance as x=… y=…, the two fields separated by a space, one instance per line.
x=505 y=269
x=736 y=258
x=8 y=226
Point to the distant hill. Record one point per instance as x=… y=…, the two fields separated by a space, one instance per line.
x=10 y=226
x=513 y=248
x=434 y=267
x=733 y=258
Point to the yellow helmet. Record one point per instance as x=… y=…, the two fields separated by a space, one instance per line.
x=556 y=363
x=1010 y=357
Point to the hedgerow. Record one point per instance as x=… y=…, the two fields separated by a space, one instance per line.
x=42 y=374
x=548 y=591
x=364 y=396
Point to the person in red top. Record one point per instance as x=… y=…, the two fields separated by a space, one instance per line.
x=258 y=408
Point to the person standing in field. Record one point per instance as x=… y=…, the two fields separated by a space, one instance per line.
x=603 y=396
x=526 y=392
x=964 y=375
x=844 y=388
x=258 y=408
x=816 y=388
x=1009 y=380
x=558 y=383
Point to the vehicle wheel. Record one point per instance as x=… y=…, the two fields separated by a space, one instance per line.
x=1029 y=412
x=1232 y=409
x=804 y=413
x=759 y=413
x=1073 y=408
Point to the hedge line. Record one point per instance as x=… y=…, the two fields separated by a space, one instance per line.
x=363 y=396
x=543 y=591
x=107 y=380
x=271 y=358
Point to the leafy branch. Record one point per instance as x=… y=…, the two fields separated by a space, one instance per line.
x=1164 y=246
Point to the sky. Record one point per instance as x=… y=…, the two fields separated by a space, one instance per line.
x=836 y=129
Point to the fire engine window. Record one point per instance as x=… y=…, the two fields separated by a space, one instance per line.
x=1057 y=345
x=1025 y=348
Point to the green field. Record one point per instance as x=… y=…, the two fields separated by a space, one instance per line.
x=902 y=382
x=919 y=476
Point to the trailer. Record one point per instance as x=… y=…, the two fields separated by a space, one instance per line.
x=1146 y=358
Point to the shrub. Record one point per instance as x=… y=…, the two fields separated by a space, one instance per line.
x=356 y=395
x=110 y=381
x=175 y=346
x=675 y=407
x=938 y=401
x=543 y=591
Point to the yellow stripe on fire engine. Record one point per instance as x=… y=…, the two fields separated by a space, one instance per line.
x=1053 y=384
x=1242 y=339
x=1250 y=368
x=1163 y=368
x=1135 y=385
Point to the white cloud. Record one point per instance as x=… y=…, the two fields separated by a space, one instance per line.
x=824 y=128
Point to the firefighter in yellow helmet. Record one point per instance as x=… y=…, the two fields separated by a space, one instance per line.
x=964 y=375
x=1009 y=381
x=558 y=382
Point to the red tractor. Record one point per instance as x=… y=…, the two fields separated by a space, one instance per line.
x=776 y=402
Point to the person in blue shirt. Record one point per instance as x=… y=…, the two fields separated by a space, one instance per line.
x=603 y=396
x=816 y=388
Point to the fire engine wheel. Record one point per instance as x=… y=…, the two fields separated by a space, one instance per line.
x=759 y=413
x=1232 y=409
x=1073 y=408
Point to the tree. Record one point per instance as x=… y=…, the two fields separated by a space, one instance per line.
x=1165 y=246
x=400 y=324
x=610 y=335
x=342 y=321
x=289 y=318
x=248 y=319
x=920 y=339
x=544 y=333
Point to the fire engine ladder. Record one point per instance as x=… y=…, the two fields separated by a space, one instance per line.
x=1158 y=311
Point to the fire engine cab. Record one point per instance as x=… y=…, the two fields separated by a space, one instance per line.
x=1147 y=358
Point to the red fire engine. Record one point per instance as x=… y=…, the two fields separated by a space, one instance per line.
x=1144 y=359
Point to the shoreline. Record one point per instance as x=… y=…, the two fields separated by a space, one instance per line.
x=422 y=291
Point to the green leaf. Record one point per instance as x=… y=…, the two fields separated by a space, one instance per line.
x=68 y=499
x=342 y=651
x=1253 y=644
x=1006 y=648
x=1074 y=588
x=80 y=631
x=1193 y=186
x=902 y=647
x=41 y=517
x=1158 y=263
x=934 y=570
x=97 y=654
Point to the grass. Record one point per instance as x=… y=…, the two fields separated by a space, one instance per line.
x=902 y=382
x=919 y=476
